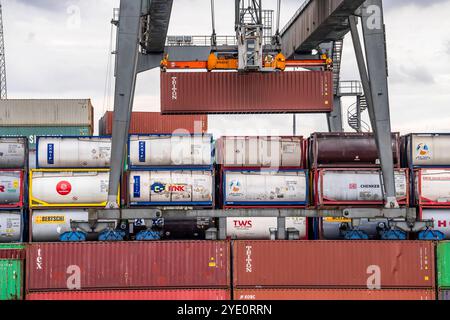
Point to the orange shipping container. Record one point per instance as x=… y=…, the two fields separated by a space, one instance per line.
x=154 y=123
x=333 y=294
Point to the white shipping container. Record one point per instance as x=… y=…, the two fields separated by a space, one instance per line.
x=68 y=152
x=13 y=153
x=49 y=225
x=69 y=188
x=441 y=218
x=171 y=187
x=429 y=150
x=433 y=185
x=261 y=151
x=265 y=187
x=259 y=228
x=357 y=185
x=46 y=112
x=10 y=187
x=10 y=227
x=175 y=150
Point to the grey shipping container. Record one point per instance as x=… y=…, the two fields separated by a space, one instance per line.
x=47 y=112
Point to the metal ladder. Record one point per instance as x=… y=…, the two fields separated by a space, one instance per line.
x=338 y=47
x=354 y=115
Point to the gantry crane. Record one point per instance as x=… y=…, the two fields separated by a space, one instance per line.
x=141 y=38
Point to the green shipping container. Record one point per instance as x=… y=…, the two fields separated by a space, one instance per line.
x=11 y=279
x=33 y=132
x=12 y=246
x=443 y=256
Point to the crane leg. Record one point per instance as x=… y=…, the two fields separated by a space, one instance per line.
x=375 y=84
x=126 y=72
x=334 y=118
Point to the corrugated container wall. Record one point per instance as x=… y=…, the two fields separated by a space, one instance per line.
x=155 y=123
x=255 y=92
x=128 y=265
x=139 y=295
x=333 y=294
x=47 y=112
x=443 y=267
x=334 y=264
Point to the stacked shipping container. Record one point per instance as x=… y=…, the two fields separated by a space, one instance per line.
x=258 y=173
x=72 y=176
x=443 y=270
x=346 y=173
x=427 y=157
x=13 y=173
x=12 y=258
x=326 y=270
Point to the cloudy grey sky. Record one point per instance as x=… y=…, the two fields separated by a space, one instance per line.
x=59 y=49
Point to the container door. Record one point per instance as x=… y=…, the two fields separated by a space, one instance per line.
x=10 y=279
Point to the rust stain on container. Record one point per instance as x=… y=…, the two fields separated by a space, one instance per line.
x=232 y=92
x=128 y=265
x=348 y=150
x=154 y=123
x=126 y=295
x=334 y=294
x=334 y=264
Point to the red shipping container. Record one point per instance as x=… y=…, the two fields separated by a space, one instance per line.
x=334 y=264
x=12 y=254
x=255 y=92
x=155 y=123
x=128 y=265
x=333 y=294
x=180 y=294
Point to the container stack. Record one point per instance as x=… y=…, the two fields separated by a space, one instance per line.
x=12 y=257
x=173 y=171
x=260 y=173
x=443 y=270
x=13 y=204
x=46 y=117
x=333 y=270
x=346 y=173
x=174 y=270
x=72 y=176
x=429 y=161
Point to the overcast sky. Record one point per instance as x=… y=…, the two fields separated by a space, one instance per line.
x=60 y=49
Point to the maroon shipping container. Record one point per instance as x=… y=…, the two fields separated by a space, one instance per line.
x=333 y=264
x=12 y=253
x=155 y=123
x=256 y=92
x=180 y=294
x=348 y=150
x=128 y=265
x=334 y=294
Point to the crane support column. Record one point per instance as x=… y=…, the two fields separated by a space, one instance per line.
x=334 y=118
x=128 y=35
x=374 y=80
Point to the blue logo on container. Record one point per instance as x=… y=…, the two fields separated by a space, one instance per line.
x=141 y=151
x=158 y=187
x=51 y=153
x=137 y=187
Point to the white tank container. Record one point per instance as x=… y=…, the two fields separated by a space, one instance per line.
x=433 y=186
x=357 y=185
x=441 y=218
x=86 y=188
x=13 y=153
x=428 y=150
x=175 y=150
x=10 y=227
x=10 y=187
x=73 y=152
x=265 y=187
x=261 y=151
x=258 y=228
x=49 y=225
x=331 y=227
x=186 y=187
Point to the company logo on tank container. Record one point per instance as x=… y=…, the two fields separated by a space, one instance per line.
x=248 y=259
x=160 y=187
x=174 y=88
x=243 y=224
x=423 y=152
x=63 y=188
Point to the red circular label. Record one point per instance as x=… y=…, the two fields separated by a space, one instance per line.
x=63 y=188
